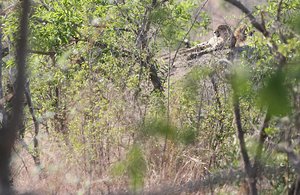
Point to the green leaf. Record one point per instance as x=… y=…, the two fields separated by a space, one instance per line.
x=159 y=127
x=240 y=81
x=188 y=136
x=136 y=166
x=295 y=23
x=274 y=95
x=271 y=131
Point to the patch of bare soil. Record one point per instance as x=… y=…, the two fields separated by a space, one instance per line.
x=184 y=63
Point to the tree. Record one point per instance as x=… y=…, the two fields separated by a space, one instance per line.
x=9 y=129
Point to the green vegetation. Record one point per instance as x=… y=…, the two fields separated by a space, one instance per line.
x=105 y=113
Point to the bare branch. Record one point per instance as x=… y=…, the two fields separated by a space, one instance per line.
x=279 y=10
x=35 y=156
x=247 y=164
x=253 y=20
x=48 y=53
x=8 y=9
x=5 y=52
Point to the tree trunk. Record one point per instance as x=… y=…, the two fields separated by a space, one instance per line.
x=9 y=133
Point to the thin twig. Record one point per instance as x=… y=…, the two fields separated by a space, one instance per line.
x=22 y=160
x=36 y=156
x=261 y=141
x=48 y=53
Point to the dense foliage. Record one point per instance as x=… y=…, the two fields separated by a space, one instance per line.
x=103 y=112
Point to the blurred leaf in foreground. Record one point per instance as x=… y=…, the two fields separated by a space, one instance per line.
x=240 y=81
x=159 y=127
x=134 y=166
x=274 y=95
x=295 y=23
